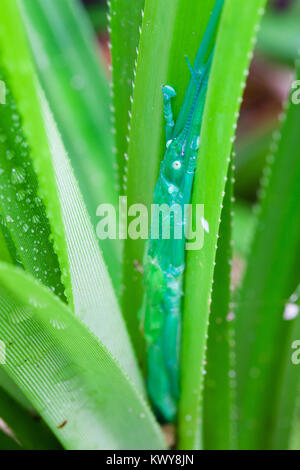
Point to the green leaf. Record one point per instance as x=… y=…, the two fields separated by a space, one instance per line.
x=288 y=397
x=271 y=277
x=94 y=298
x=7 y=442
x=4 y=252
x=175 y=29
x=76 y=87
x=235 y=41
x=13 y=391
x=251 y=159
x=145 y=149
x=84 y=271
x=218 y=385
x=26 y=428
x=295 y=439
x=17 y=64
x=71 y=379
x=125 y=20
x=25 y=226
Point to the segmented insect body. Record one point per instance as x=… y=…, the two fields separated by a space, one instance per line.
x=164 y=256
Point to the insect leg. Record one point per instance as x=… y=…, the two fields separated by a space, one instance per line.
x=168 y=94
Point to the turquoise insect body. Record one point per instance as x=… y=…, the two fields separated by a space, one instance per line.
x=164 y=260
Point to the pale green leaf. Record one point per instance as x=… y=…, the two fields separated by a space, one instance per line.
x=68 y=375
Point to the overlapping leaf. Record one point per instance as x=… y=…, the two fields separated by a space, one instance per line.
x=235 y=41
x=76 y=87
x=218 y=397
x=271 y=277
x=67 y=374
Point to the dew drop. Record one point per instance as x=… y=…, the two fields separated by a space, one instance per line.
x=205 y=224
x=35 y=219
x=20 y=195
x=230 y=316
x=58 y=324
x=291 y=311
x=10 y=154
x=18 y=176
x=294 y=297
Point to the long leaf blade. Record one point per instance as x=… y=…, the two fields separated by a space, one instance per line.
x=267 y=286
x=17 y=62
x=24 y=426
x=25 y=225
x=95 y=302
x=174 y=35
x=287 y=416
x=77 y=89
x=84 y=272
x=70 y=378
x=125 y=22
x=234 y=46
x=218 y=393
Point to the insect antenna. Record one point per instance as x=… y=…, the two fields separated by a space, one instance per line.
x=193 y=74
x=200 y=83
x=209 y=35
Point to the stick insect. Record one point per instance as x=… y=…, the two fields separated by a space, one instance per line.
x=164 y=260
